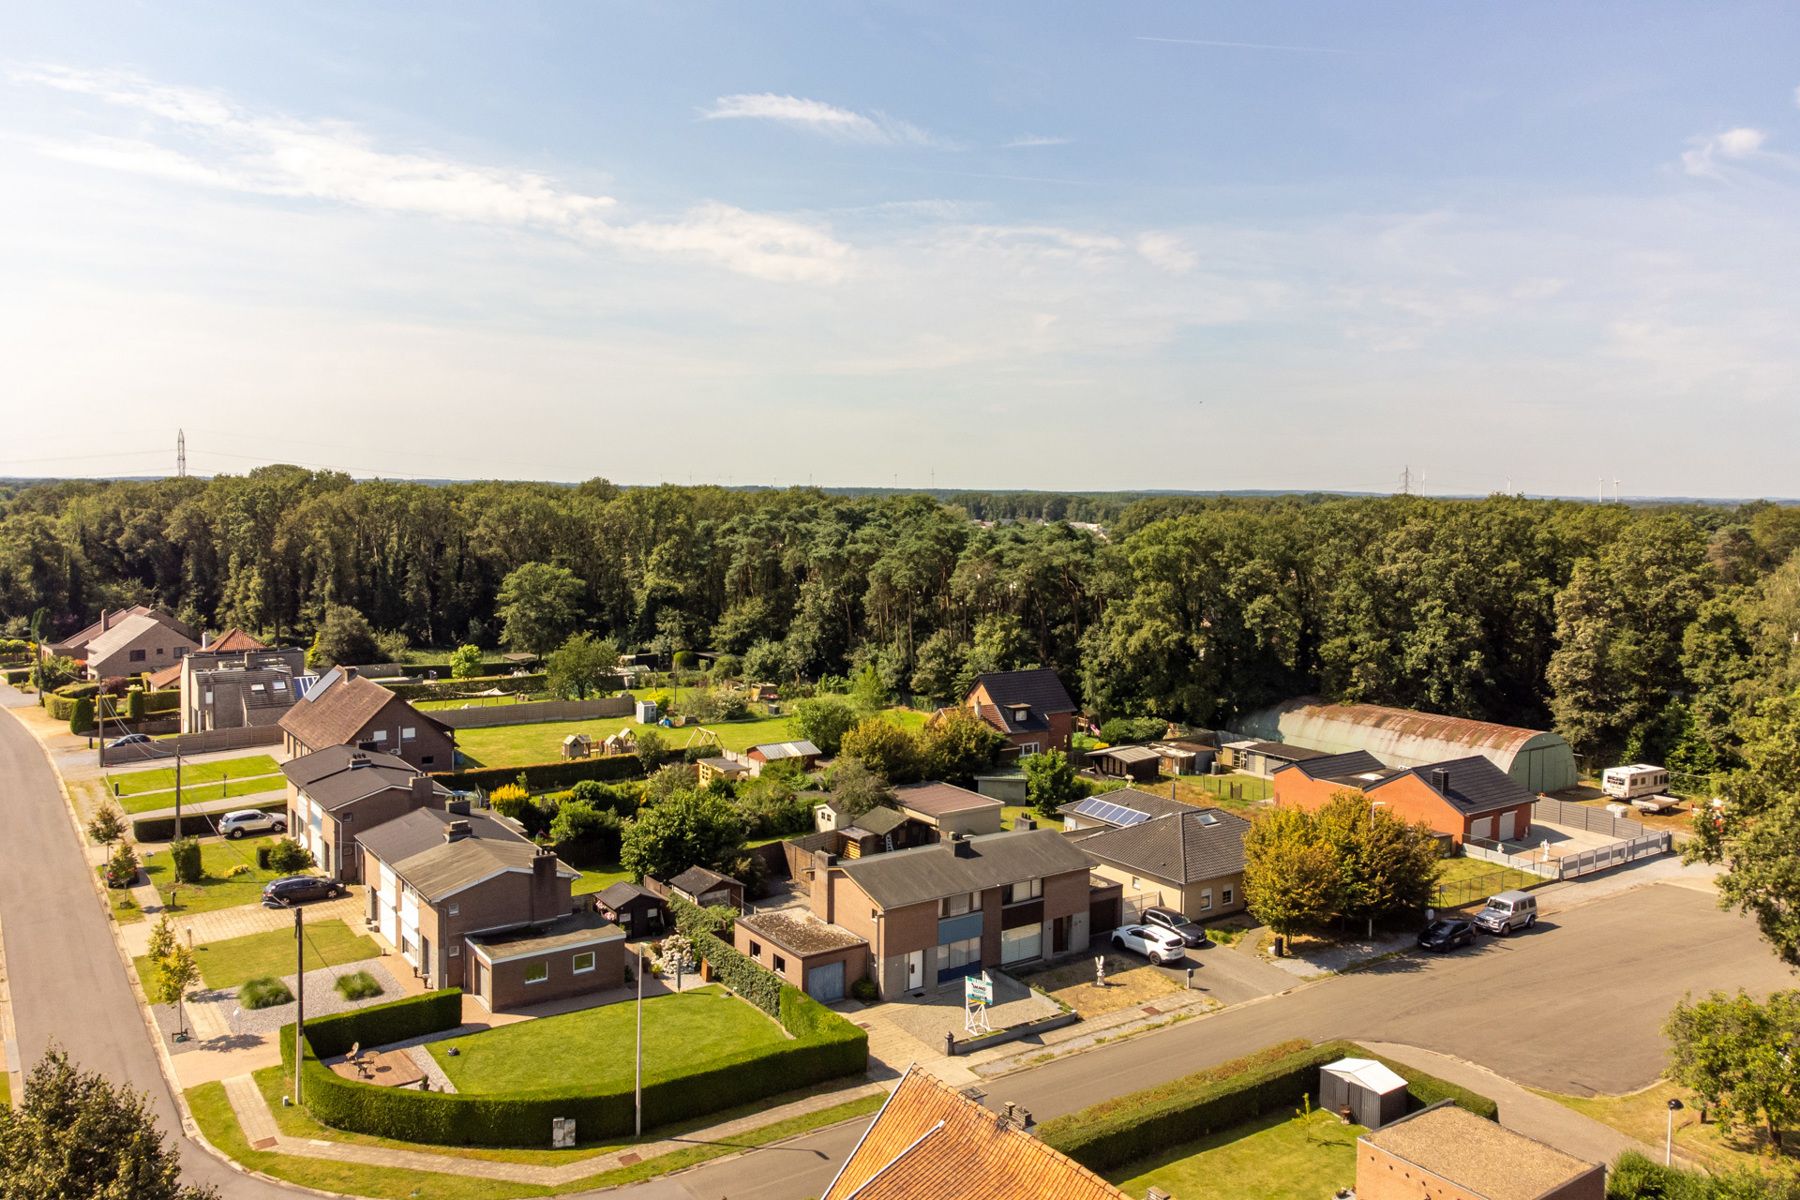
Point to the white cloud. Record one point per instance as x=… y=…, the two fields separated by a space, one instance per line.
x=1167 y=251
x=816 y=116
x=1035 y=139
x=1702 y=157
x=223 y=146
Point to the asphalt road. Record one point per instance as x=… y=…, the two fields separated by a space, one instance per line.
x=1575 y=1005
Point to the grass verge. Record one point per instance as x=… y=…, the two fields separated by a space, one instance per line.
x=1644 y=1116
x=1275 y=1157
x=130 y=783
x=218 y=857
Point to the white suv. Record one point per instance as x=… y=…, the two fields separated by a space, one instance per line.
x=235 y=825
x=1157 y=945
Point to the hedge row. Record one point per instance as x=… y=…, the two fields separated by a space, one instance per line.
x=166 y=701
x=380 y=1024
x=161 y=829
x=1115 y=1132
x=545 y=777
x=739 y=972
x=17 y=675
x=825 y=1047
x=452 y=689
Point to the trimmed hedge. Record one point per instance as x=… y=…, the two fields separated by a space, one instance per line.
x=825 y=1047
x=166 y=701
x=544 y=777
x=1127 y=1128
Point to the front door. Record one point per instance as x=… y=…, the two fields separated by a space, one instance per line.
x=915 y=970
x=1059 y=935
x=425 y=963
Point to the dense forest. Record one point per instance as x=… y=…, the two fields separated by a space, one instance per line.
x=1636 y=631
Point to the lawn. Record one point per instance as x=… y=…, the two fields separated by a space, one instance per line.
x=130 y=783
x=144 y=802
x=684 y=1033
x=520 y=745
x=217 y=856
x=1644 y=1116
x=1276 y=1157
x=1129 y=983
x=330 y=943
x=1471 y=881
x=599 y=879
x=1220 y=791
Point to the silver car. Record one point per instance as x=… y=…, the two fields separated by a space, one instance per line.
x=235 y=825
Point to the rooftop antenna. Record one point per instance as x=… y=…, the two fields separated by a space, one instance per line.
x=181 y=454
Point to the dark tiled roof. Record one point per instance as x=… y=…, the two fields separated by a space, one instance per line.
x=1204 y=843
x=802 y=935
x=1337 y=766
x=933 y=872
x=414 y=847
x=1280 y=750
x=1040 y=688
x=331 y=778
x=622 y=894
x=1148 y=803
x=697 y=881
x=880 y=820
x=336 y=711
x=1475 y=786
x=941 y=799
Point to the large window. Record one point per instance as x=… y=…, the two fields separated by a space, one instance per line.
x=956 y=906
x=1030 y=889
x=961 y=954
x=537 y=972
x=1022 y=944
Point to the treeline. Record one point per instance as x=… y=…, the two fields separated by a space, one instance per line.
x=1636 y=631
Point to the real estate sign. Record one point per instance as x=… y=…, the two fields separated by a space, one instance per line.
x=978 y=991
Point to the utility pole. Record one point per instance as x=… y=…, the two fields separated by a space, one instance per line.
x=178 y=791
x=181 y=454
x=299 y=1001
x=637 y=1087
x=1406 y=480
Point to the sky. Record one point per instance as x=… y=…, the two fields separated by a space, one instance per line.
x=1527 y=246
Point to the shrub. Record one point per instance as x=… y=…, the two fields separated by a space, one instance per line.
x=1131 y=729
x=122 y=867
x=288 y=856
x=134 y=704
x=359 y=985
x=186 y=856
x=865 y=991
x=238 y=871
x=265 y=991
x=547 y=776
x=81 y=716
x=262 y=858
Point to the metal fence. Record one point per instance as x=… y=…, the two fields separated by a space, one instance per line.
x=1473 y=889
x=1242 y=788
x=1587 y=817
x=1613 y=855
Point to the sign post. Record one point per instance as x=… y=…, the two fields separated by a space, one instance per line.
x=978 y=994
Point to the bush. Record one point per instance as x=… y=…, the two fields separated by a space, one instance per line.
x=451 y=689
x=240 y=870
x=264 y=992
x=1127 y=1128
x=865 y=991
x=122 y=868
x=134 y=704
x=166 y=701
x=1131 y=729
x=544 y=777
x=359 y=985
x=186 y=856
x=288 y=856
x=81 y=716
x=161 y=829
x=262 y=858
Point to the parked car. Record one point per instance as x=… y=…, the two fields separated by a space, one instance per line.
x=298 y=889
x=236 y=824
x=1447 y=935
x=130 y=739
x=1157 y=945
x=1508 y=911
x=1190 y=933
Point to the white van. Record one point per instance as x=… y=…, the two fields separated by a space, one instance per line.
x=1508 y=911
x=1628 y=783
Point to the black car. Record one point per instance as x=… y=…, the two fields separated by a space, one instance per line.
x=1447 y=935
x=1167 y=918
x=298 y=889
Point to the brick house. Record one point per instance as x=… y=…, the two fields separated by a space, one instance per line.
x=934 y=914
x=140 y=643
x=76 y=644
x=471 y=903
x=344 y=709
x=1032 y=708
x=821 y=960
x=232 y=689
x=338 y=792
x=1460 y=799
x=1446 y=1153
x=1190 y=861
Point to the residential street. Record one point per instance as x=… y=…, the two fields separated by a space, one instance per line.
x=1575 y=1005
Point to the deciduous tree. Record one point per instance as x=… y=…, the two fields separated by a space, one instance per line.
x=683 y=830
x=582 y=664
x=1738 y=1055
x=1050 y=781
x=538 y=605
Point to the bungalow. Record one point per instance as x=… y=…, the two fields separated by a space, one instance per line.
x=471 y=903
x=345 y=709
x=934 y=914
x=1264 y=758
x=137 y=644
x=1032 y=708
x=638 y=911
x=1461 y=799
x=944 y=808
x=338 y=792
x=1191 y=861
x=821 y=960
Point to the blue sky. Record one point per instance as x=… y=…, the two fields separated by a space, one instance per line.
x=998 y=245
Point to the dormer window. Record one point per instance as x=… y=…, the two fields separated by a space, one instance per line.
x=1019 y=711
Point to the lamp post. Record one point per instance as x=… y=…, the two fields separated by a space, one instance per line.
x=1675 y=1106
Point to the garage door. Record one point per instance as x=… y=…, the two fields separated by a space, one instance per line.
x=826 y=983
x=1508 y=821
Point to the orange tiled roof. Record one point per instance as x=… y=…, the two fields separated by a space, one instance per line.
x=929 y=1142
x=167 y=677
x=234 y=641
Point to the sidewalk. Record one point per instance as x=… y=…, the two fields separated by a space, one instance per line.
x=263 y=1133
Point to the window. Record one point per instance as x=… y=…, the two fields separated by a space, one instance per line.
x=537 y=972
x=1225 y=897
x=1205 y=899
x=1135 y=885
x=455 y=951
x=137 y=656
x=1022 y=944
x=961 y=954
x=583 y=962
x=455 y=909
x=409 y=733
x=160 y=652
x=256 y=687
x=1030 y=889
x=1028 y=748
x=956 y=906
x=209 y=695
x=280 y=685
x=756 y=951
x=780 y=964
x=428 y=759
x=380 y=735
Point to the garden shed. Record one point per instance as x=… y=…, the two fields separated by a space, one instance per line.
x=1372 y=1093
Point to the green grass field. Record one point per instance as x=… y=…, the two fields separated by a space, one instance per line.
x=1276 y=1157
x=130 y=783
x=1471 y=881
x=144 y=802
x=331 y=943
x=599 y=879
x=683 y=1033
x=217 y=856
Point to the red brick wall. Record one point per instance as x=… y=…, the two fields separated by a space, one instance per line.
x=1382 y=1176
x=1294 y=790
x=506 y=988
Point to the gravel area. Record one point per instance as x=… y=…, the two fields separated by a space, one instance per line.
x=434 y=1074
x=322 y=999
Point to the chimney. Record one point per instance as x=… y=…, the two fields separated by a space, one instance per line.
x=1157 y=1193
x=1024 y=821
x=1011 y=1115
x=544 y=905
x=456 y=831
x=424 y=792
x=1440 y=780
x=105 y=620
x=358 y=760
x=458 y=805
x=824 y=900
x=961 y=846
x=349 y=672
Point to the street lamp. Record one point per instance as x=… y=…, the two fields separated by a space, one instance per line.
x=1675 y=1106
